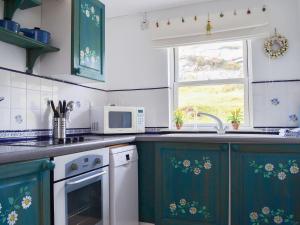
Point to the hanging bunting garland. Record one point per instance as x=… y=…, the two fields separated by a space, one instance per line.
x=276 y=46
x=208 y=26
x=268 y=44
x=157 y=25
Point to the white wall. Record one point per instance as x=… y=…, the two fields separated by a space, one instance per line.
x=134 y=63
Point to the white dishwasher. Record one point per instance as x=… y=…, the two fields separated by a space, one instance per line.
x=124 y=185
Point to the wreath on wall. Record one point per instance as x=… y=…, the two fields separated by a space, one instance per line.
x=276 y=46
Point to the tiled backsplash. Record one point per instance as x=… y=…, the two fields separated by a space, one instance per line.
x=25 y=104
x=276 y=104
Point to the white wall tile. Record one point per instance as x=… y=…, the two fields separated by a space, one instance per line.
x=4 y=78
x=33 y=83
x=5 y=93
x=18 y=98
x=33 y=100
x=46 y=111
x=46 y=97
x=33 y=119
x=268 y=115
x=46 y=85
x=46 y=119
x=18 y=80
x=18 y=119
x=5 y=119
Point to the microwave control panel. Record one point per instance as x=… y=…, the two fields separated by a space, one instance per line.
x=140 y=120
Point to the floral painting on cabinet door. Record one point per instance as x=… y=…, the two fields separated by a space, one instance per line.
x=89 y=58
x=89 y=12
x=269 y=216
x=9 y=211
x=195 y=167
x=280 y=171
x=184 y=207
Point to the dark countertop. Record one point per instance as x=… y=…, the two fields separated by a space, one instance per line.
x=9 y=154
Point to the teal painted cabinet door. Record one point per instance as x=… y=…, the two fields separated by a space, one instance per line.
x=25 y=193
x=191 y=184
x=265 y=184
x=88 y=36
x=146 y=152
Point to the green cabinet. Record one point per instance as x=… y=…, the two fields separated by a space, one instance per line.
x=183 y=183
x=265 y=184
x=146 y=153
x=25 y=193
x=191 y=184
x=88 y=34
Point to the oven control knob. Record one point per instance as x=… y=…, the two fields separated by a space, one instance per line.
x=97 y=161
x=74 y=166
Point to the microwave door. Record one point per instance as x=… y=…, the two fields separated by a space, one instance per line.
x=120 y=120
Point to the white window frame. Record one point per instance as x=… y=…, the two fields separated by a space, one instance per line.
x=247 y=91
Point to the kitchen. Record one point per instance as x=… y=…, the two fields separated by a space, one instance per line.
x=149 y=112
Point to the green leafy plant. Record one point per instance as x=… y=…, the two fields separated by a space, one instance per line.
x=235 y=116
x=179 y=118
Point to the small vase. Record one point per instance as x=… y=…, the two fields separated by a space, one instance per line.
x=178 y=126
x=235 y=125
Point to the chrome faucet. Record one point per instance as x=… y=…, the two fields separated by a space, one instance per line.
x=220 y=128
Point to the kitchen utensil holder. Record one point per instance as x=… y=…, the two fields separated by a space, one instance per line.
x=59 y=128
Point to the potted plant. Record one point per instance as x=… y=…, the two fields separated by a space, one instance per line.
x=178 y=118
x=235 y=118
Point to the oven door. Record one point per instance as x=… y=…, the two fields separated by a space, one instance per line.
x=83 y=200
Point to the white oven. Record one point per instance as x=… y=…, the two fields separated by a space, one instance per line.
x=119 y=119
x=81 y=188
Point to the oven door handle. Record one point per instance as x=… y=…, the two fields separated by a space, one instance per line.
x=86 y=178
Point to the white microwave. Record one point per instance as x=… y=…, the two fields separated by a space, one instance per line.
x=119 y=120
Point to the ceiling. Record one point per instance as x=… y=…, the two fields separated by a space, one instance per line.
x=115 y=8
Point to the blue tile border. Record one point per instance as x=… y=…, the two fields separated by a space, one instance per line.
x=18 y=134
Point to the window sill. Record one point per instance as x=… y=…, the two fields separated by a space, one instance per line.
x=212 y=130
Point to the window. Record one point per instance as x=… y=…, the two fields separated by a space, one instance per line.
x=211 y=78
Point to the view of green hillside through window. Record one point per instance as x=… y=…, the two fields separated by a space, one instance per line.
x=210 y=79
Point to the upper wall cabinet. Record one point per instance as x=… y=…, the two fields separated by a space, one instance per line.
x=78 y=28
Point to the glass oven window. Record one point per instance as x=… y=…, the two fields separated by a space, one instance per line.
x=85 y=205
x=120 y=119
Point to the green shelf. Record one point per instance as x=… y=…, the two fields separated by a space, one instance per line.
x=34 y=48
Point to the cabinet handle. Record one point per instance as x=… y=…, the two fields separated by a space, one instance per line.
x=49 y=165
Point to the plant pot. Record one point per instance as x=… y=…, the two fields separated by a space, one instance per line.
x=178 y=126
x=235 y=125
